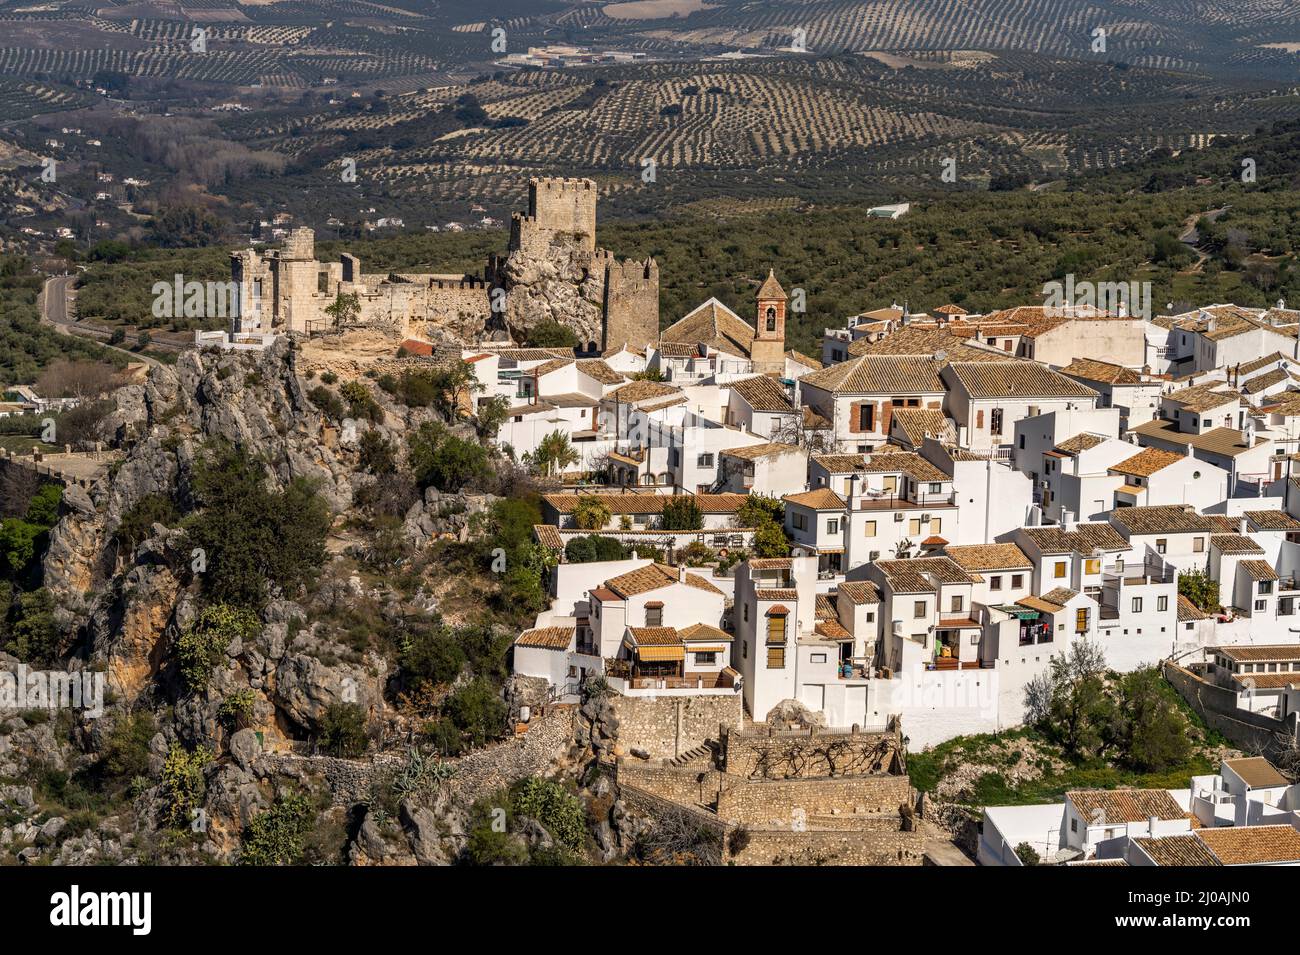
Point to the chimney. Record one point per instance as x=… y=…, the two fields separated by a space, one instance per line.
x=1241 y=526
x=1151 y=825
x=634 y=555
x=681 y=574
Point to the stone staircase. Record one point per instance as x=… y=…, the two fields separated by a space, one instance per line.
x=701 y=757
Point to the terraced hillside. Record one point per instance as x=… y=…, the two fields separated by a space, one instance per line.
x=1162 y=34
x=813 y=127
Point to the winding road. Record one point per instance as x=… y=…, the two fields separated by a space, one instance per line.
x=55 y=300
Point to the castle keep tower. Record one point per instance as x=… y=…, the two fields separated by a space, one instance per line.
x=631 y=303
x=561 y=212
x=768 y=350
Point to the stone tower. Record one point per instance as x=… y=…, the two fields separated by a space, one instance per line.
x=560 y=212
x=631 y=303
x=296 y=273
x=768 y=350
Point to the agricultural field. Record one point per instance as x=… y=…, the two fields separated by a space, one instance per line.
x=816 y=102
x=660 y=135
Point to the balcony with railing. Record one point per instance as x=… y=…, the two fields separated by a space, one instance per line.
x=892 y=501
x=721 y=680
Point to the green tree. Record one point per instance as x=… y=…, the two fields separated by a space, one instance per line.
x=343 y=730
x=377 y=454
x=201 y=646
x=275 y=836
x=475 y=715
x=34 y=635
x=682 y=513
x=1152 y=731
x=491 y=416
x=444 y=461
x=1070 y=702
x=591 y=513
x=770 y=540
x=549 y=333
x=551 y=804
x=430 y=653
x=759 y=508
x=554 y=453
x=183 y=784
x=1200 y=588
x=1027 y=854
x=137 y=523
x=250 y=537
x=344 y=309
x=593 y=547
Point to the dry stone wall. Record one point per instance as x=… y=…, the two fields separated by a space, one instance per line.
x=668 y=726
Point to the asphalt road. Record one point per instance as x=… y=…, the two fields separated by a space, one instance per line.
x=54 y=302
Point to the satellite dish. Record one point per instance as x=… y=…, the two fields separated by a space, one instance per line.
x=1066 y=855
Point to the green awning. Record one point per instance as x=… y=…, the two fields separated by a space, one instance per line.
x=1020 y=612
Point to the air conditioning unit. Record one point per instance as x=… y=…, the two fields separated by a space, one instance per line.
x=898 y=628
x=1044 y=485
x=898 y=517
x=925 y=518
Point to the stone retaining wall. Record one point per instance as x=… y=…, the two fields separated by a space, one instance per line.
x=669 y=726
x=809 y=753
x=773 y=804
x=775 y=847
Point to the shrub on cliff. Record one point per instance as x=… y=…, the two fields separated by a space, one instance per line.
x=250 y=538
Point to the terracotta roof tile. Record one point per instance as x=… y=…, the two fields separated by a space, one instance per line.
x=1083 y=441
x=820 y=499
x=979 y=557
x=1091 y=369
x=1084 y=539
x=764 y=393
x=546 y=638
x=860 y=591
x=880 y=375
x=1125 y=805
x=653 y=577
x=1188 y=611
x=1180 y=850
x=1273 y=520
x=712 y=323
x=1252 y=845
x=1235 y=544
x=655 y=636
x=1258 y=569
x=755 y=451
x=1147 y=462
x=1257 y=772
x=1160 y=519
x=912 y=576
x=1257 y=653
x=1018 y=379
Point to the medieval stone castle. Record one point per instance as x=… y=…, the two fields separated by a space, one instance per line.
x=552 y=271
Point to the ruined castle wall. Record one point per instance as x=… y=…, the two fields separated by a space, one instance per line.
x=252 y=276
x=299 y=300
